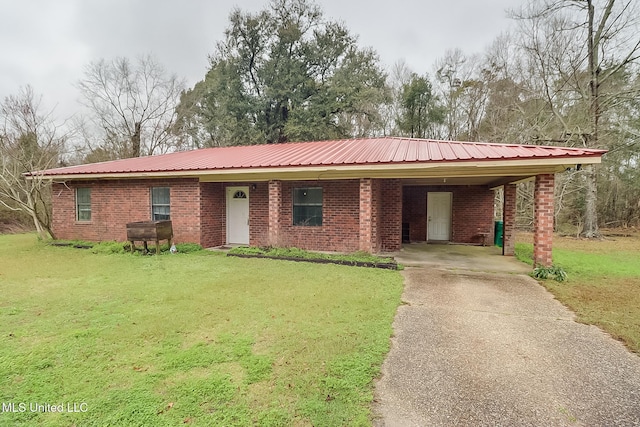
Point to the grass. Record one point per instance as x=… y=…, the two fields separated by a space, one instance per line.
x=194 y=339
x=603 y=285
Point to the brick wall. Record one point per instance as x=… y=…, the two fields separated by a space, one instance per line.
x=198 y=212
x=509 y=219
x=414 y=212
x=472 y=211
x=114 y=203
x=376 y=215
x=274 y=202
x=543 y=210
x=259 y=214
x=390 y=223
x=340 y=230
x=366 y=216
x=212 y=214
x=340 y=226
x=340 y=217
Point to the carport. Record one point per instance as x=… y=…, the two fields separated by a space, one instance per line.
x=453 y=201
x=462 y=211
x=459 y=257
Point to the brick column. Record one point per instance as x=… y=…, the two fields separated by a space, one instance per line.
x=543 y=220
x=509 y=219
x=275 y=209
x=376 y=199
x=390 y=229
x=366 y=225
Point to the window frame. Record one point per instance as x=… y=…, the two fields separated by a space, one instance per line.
x=160 y=205
x=82 y=206
x=301 y=220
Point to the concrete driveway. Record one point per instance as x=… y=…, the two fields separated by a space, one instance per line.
x=480 y=348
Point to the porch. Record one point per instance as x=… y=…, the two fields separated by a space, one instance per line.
x=458 y=257
x=376 y=214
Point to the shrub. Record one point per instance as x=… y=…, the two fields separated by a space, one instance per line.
x=112 y=247
x=555 y=272
x=279 y=252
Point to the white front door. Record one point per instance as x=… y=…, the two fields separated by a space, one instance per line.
x=439 y=216
x=238 y=215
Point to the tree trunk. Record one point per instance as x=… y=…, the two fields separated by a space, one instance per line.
x=591 y=140
x=42 y=233
x=135 y=140
x=50 y=231
x=591 y=198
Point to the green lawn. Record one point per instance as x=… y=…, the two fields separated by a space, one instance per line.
x=603 y=285
x=194 y=339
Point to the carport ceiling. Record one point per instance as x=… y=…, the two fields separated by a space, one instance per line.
x=490 y=181
x=493 y=174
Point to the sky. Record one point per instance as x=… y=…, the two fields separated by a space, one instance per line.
x=47 y=44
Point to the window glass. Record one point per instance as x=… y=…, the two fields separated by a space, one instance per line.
x=83 y=204
x=307 y=206
x=160 y=203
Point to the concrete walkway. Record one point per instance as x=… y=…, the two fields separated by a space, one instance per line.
x=473 y=348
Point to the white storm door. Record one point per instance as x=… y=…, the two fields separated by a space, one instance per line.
x=238 y=215
x=439 y=216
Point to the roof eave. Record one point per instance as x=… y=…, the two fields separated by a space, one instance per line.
x=387 y=170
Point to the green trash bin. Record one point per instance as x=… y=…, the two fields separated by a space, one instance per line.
x=497 y=233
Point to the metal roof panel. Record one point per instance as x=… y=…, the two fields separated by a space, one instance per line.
x=385 y=150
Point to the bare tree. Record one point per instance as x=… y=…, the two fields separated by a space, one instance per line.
x=397 y=75
x=29 y=141
x=450 y=71
x=463 y=84
x=577 y=48
x=508 y=115
x=133 y=104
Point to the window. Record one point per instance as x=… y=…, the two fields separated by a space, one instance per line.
x=307 y=206
x=83 y=204
x=160 y=203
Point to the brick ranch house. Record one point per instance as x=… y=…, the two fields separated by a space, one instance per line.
x=345 y=195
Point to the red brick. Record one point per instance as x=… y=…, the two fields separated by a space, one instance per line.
x=543 y=216
x=114 y=203
x=472 y=212
x=357 y=214
x=275 y=207
x=367 y=238
x=509 y=219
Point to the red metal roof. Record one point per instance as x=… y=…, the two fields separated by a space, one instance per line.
x=369 y=151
